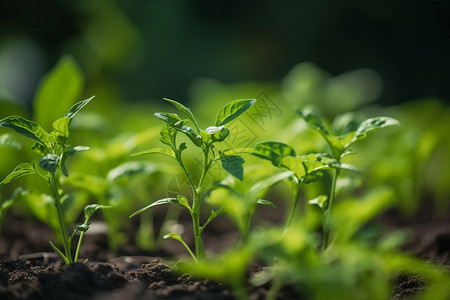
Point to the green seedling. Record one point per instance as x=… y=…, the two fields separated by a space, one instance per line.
x=204 y=139
x=344 y=132
x=53 y=151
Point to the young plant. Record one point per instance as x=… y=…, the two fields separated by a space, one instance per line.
x=344 y=133
x=205 y=140
x=53 y=151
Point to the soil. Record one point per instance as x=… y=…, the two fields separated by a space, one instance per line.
x=29 y=271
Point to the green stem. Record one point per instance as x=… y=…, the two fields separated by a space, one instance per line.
x=77 y=251
x=61 y=221
x=327 y=213
x=294 y=206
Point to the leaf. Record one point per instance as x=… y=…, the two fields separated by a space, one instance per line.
x=214 y=134
x=273 y=151
x=62 y=126
x=261 y=187
x=169 y=118
x=313 y=119
x=27 y=128
x=21 y=170
x=214 y=214
x=57 y=92
x=266 y=203
x=234 y=165
x=91 y=209
x=159 y=202
x=165 y=151
x=129 y=169
x=77 y=107
x=7 y=140
x=295 y=164
x=184 y=110
x=233 y=110
x=237 y=151
x=182 y=200
x=373 y=124
x=320 y=201
x=49 y=163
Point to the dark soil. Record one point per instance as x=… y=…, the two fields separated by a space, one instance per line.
x=132 y=274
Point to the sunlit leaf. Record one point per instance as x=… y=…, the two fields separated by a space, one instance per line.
x=21 y=170
x=27 y=128
x=184 y=110
x=165 y=151
x=159 y=202
x=320 y=201
x=77 y=107
x=273 y=151
x=373 y=124
x=233 y=110
x=266 y=203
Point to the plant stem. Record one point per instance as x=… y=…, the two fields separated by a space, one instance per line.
x=327 y=213
x=77 y=251
x=61 y=221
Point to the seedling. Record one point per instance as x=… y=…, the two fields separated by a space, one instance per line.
x=204 y=139
x=53 y=151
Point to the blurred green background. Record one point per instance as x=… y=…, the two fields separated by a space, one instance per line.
x=145 y=50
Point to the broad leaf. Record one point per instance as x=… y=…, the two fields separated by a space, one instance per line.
x=190 y=133
x=21 y=170
x=234 y=165
x=27 y=128
x=77 y=107
x=159 y=202
x=61 y=132
x=58 y=91
x=7 y=140
x=233 y=110
x=266 y=203
x=165 y=151
x=273 y=151
x=49 y=162
x=185 y=111
x=373 y=124
x=169 y=118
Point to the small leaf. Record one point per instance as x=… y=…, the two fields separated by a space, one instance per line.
x=70 y=152
x=91 y=209
x=233 y=110
x=184 y=110
x=373 y=124
x=313 y=119
x=82 y=227
x=169 y=118
x=237 y=151
x=167 y=135
x=182 y=200
x=174 y=236
x=159 y=202
x=266 y=203
x=273 y=151
x=77 y=107
x=40 y=149
x=214 y=134
x=27 y=128
x=234 y=165
x=165 y=151
x=21 y=170
x=319 y=201
x=214 y=214
x=49 y=162
x=7 y=140
x=62 y=126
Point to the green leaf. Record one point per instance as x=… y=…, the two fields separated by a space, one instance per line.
x=167 y=135
x=273 y=151
x=62 y=126
x=238 y=151
x=214 y=134
x=234 y=165
x=21 y=170
x=313 y=119
x=266 y=203
x=58 y=91
x=77 y=107
x=183 y=201
x=91 y=209
x=233 y=110
x=184 y=110
x=27 y=128
x=159 y=202
x=373 y=124
x=129 y=169
x=169 y=118
x=165 y=151
x=7 y=140
x=320 y=201
x=214 y=214
x=262 y=186
x=49 y=163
